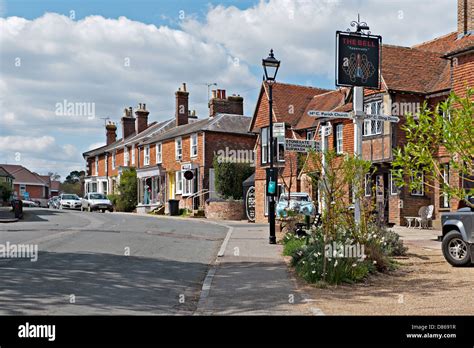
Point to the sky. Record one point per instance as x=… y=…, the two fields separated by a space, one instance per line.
x=108 y=55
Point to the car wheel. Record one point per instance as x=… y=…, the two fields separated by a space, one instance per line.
x=455 y=250
x=103 y=210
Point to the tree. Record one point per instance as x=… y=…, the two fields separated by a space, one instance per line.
x=127 y=188
x=5 y=191
x=449 y=128
x=54 y=176
x=75 y=177
x=229 y=177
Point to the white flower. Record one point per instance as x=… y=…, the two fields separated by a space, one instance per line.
x=354 y=264
x=375 y=262
x=335 y=263
x=313 y=272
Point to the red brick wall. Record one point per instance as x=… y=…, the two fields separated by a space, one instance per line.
x=35 y=191
x=463 y=74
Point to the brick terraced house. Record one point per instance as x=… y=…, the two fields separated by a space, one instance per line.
x=410 y=76
x=162 y=151
x=191 y=146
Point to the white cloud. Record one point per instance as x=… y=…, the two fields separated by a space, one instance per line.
x=115 y=63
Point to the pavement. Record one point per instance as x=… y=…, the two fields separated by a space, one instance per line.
x=251 y=278
x=6 y=215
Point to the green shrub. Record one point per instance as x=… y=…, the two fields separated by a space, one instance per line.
x=392 y=245
x=127 y=188
x=229 y=178
x=292 y=243
x=113 y=199
x=317 y=261
x=5 y=191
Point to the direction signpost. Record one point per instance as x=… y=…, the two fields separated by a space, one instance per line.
x=297 y=145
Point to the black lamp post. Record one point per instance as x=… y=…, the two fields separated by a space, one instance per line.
x=270 y=66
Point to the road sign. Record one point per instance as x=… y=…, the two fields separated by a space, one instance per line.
x=330 y=114
x=358 y=60
x=279 y=130
x=189 y=175
x=388 y=118
x=301 y=145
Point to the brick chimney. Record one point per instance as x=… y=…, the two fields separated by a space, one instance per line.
x=465 y=17
x=182 y=107
x=128 y=123
x=220 y=104
x=111 y=133
x=142 y=118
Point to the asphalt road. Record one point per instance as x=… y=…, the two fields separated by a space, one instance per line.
x=112 y=263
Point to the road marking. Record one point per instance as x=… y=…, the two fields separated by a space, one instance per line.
x=225 y=242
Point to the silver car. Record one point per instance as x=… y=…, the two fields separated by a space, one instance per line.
x=69 y=201
x=458 y=236
x=96 y=201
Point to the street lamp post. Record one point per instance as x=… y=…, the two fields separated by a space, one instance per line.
x=270 y=67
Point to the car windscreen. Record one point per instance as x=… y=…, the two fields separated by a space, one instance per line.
x=97 y=196
x=72 y=197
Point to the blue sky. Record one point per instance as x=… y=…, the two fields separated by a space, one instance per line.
x=48 y=56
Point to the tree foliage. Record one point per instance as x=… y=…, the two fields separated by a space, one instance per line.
x=229 y=178
x=127 y=188
x=449 y=129
x=5 y=191
x=75 y=176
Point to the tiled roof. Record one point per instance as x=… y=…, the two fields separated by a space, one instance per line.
x=414 y=70
x=152 y=129
x=447 y=43
x=23 y=175
x=290 y=101
x=328 y=101
x=4 y=173
x=225 y=123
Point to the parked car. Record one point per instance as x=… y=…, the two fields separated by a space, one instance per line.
x=299 y=202
x=458 y=236
x=69 y=201
x=28 y=203
x=96 y=201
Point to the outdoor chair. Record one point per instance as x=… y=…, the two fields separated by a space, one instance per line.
x=425 y=216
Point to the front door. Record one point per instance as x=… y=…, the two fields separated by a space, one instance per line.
x=171 y=186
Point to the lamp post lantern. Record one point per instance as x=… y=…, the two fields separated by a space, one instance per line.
x=270 y=67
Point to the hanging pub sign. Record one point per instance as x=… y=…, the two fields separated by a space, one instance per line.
x=358 y=60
